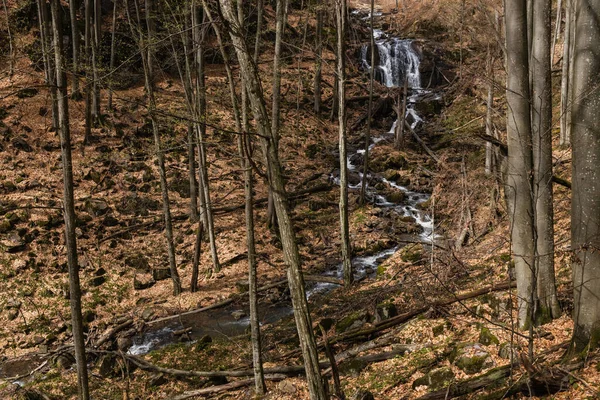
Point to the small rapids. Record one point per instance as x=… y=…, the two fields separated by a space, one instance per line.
x=397 y=60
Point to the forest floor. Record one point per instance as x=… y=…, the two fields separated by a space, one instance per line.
x=120 y=234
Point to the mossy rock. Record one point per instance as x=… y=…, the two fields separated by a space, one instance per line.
x=396 y=197
x=412 y=254
x=471 y=357
x=5 y=226
x=386 y=310
x=486 y=337
x=439 y=329
x=352 y=321
x=436 y=379
x=391 y=175
x=507 y=350
x=352 y=367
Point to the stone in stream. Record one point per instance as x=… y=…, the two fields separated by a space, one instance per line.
x=238 y=314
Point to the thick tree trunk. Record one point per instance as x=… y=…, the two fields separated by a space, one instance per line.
x=318 y=61
x=518 y=185
x=290 y=248
x=585 y=208
x=69 y=205
x=556 y=30
x=340 y=16
x=565 y=80
x=541 y=125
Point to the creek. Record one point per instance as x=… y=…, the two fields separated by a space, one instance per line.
x=396 y=60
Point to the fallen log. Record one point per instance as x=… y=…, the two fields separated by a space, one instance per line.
x=110 y=333
x=223 y=388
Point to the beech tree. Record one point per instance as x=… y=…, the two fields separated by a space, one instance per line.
x=518 y=185
x=585 y=207
x=69 y=203
x=541 y=124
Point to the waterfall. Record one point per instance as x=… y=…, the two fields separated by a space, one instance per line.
x=397 y=60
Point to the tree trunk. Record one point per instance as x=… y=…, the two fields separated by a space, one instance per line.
x=95 y=60
x=11 y=50
x=541 y=125
x=565 y=79
x=259 y=24
x=556 y=30
x=49 y=73
x=400 y=122
x=196 y=261
x=148 y=78
x=489 y=151
x=75 y=42
x=112 y=54
x=585 y=208
x=88 y=59
x=318 y=62
x=69 y=205
x=518 y=185
x=290 y=248
x=363 y=189
x=340 y=14
x=192 y=174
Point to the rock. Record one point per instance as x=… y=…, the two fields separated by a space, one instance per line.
x=11 y=315
x=508 y=350
x=326 y=323
x=137 y=205
x=353 y=321
x=20 y=143
x=97 y=281
x=64 y=361
x=12 y=303
x=242 y=286
x=142 y=280
x=435 y=379
x=160 y=274
x=108 y=366
x=438 y=329
x=137 y=261
x=100 y=272
x=96 y=207
x=395 y=197
x=391 y=175
x=88 y=316
x=471 y=358
x=352 y=367
x=27 y=92
x=124 y=343
x=238 y=314
x=157 y=380
x=14 y=243
x=286 y=387
x=5 y=226
x=147 y=314
x=109 y=220
x=486 y=337
x=386 y=310
x=316 y=205
x=363 y=395
x=412 y=254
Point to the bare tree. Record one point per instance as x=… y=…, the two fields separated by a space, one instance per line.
x=291 y=255
x=69 y=204
x=11 y=50
x=541 y=125
x=519 y=185
x=585 y=207
x=318 y=61
x=49 y=73
x=340 y=17
x=112 y=54
x=567 y=73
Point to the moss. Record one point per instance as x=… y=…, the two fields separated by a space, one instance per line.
x=412 y=254
x=486 y=337
x=351 y=320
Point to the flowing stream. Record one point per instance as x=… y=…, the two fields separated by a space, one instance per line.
x=397 y=60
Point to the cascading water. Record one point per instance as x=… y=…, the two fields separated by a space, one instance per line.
x=398 y=60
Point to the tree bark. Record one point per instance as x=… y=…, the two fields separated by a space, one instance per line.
x=565 y=81
x=290 y=248
x=318 y=61
x=11 y=50
x=112 y=54
x=75 y=44
x=363 y=189
x=96 y=59
x=340 y=16
x=518 y=185
x=69 y=204
x=489 y=151
x=556 y=30
x=541 y=125
x=192 y=174
x=49 y=72
x=585 y=207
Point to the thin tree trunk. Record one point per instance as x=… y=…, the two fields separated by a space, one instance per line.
x=489 y=151
x=340 y=13
x=259 y=24
x=518 y=185
x=11 y=50
x=149 y=11
x=192 y=174
x=318 y=62
x=565 y=80
x=96 y=37
x=49 y=73
x=585 y=206
x=201 y=133
x=112 y=54
x=88 y=58
x=196 y=261
x=69 y=205
x=245 y=148
x=541 y=117
x=75 y=43
x=286 y=228
x=400 y=122
x=159 y=153
x=363 y=189
x=556 y=30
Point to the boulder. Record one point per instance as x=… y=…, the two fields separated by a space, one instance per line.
x=161 y=273
x=238 y=314
x=436 y=379
x=352 y=321
x=137 y=261
x=508 y=351
x=386 y=310
x=471 y=358
x=142 y=280
x=96 y=207
x=486 y=337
